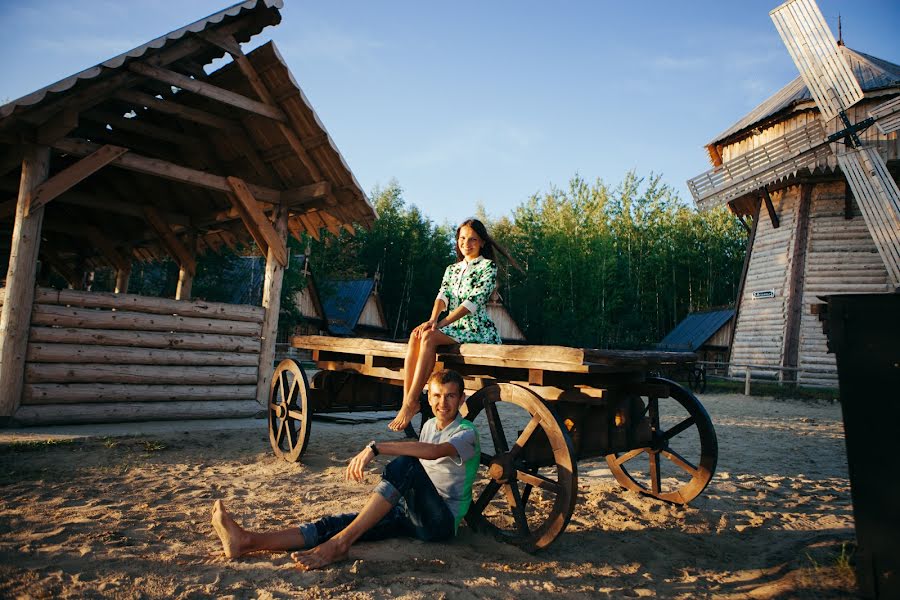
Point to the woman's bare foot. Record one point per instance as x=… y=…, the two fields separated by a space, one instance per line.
x=230 y=533
x=404 y=416
x=322 y=555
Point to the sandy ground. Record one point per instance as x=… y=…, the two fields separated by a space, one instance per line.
x=128 y=517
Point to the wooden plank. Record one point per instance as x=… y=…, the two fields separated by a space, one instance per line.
x=271 y=301
x=78 y=353
x=182 y=255
x=141 y=127
x=123 y=277
x=72 y=175
x=57 y=126
x=62 y=316
x=149 y=304
x=118 y=412
x=20 y=282
x=170 y=107
x=72 y=393
x=256 y=221
x=208 y=90
x=185 y=275
x=795 y=282
x=146 y=339
x=773 y=216
x=138 y=374
x=166 y=170
x=306 y=194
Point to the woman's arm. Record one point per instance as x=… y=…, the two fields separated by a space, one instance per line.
x=414 y=449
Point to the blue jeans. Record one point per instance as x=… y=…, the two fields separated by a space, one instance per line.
x=418 y=510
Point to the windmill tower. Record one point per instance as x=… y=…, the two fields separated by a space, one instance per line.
x=819 y=182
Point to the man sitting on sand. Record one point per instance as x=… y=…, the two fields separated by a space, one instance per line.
x=424 y=492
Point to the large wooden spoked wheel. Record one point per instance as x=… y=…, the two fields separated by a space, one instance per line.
x=289 y=416
x=530 y=490
x=681 y=457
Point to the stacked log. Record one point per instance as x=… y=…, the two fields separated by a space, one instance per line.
x=97 y=357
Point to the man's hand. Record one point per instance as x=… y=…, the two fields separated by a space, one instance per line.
x=358 y=464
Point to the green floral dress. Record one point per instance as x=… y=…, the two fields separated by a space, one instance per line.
x=470 y=284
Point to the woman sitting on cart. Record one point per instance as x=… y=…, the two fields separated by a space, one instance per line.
x=465 y=290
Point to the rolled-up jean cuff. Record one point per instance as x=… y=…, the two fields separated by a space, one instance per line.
x=310 y=535
x=388 y=492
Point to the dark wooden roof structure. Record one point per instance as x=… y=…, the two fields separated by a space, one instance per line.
x=154 y=158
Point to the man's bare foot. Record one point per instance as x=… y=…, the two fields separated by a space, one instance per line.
x=233 y=537
x=404 y=416
x=322 y=555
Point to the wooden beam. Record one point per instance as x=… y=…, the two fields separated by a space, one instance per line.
x=271 y=301
x=140 y=127
x=230 y=45
x=207 y=90
x=21 y=275
x=58 y=126
x=72 y=175
x=181 y=254
x=305 y=194
x=256 y=221
x=166 y=170
x=743 y=282
x=170 y=107
x=794 y=309
x=118 y=207
x=123 y=278
x=185 y=277
x=770 y=208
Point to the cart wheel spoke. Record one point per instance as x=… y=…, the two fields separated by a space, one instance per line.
x=511 y=491
x=498 y=436
x=672 y=432
x=680 y=430
x=654 y=473
x=526 y=493
x=487 y=494
x=620 y=460
x=295 y=414
x=680 y=461
x=539 y=481
x=525 y=436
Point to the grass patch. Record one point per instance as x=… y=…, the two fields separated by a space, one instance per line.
x=37 y=445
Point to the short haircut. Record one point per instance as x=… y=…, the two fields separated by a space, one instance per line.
x=448 y=376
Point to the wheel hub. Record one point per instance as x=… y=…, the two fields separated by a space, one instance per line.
x=280 y=410
x=501 y=470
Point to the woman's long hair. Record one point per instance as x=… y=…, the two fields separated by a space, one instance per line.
x=487 y=250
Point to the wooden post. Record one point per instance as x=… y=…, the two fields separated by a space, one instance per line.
x=123 y=277
x=790 y=356
x=747 y=382
x=20 y=282
x=186 y=273
x=272 y=303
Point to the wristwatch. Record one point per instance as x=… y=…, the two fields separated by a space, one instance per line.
x=371 y=446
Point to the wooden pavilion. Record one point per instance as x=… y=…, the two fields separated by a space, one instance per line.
x=807 y=238
x=145 y=157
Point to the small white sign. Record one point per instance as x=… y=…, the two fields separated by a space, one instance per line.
x=760 y=294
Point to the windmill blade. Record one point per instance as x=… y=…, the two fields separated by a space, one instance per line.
x=887 y=116
x=815 y=52
x=879 y=201
x=782 y=157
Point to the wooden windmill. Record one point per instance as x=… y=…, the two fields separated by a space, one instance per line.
x=811 y=157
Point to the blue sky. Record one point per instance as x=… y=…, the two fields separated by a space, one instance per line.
x=483 y=102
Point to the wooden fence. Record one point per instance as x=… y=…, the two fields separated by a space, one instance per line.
x=99 y=357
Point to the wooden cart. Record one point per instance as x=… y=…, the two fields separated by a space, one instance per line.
x=538 y=409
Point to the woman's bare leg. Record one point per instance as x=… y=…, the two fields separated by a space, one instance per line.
x=427 y=356
x=409 y=363
x=237 y=541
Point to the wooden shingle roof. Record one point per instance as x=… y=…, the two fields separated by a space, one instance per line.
x=155 y=157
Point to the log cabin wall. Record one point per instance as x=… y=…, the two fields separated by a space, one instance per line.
x=759 y=335
x=841 y=258
x=95 y=357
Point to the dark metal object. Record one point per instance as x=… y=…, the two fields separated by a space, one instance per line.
x=864 y=333
x=848 y=135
